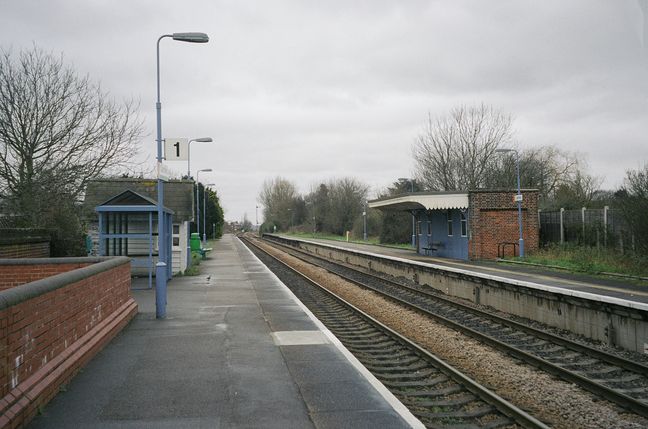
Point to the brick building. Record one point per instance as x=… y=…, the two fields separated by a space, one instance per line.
x=476 y=224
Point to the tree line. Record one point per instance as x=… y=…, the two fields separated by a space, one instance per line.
x=470 y=148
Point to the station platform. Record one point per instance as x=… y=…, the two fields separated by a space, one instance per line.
x=237 y=350
x=598 y=285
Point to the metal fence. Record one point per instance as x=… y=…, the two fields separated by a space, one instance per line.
x=587 y=227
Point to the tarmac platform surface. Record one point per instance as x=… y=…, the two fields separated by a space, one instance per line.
x=599 y=285
x=237 y=350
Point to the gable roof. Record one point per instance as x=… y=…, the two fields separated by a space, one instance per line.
x=130 y=198
x=178 y=194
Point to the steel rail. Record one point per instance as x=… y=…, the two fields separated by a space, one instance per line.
x=504 y=406
x=599 y=389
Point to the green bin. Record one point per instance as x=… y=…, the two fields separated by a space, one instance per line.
x=194 y=242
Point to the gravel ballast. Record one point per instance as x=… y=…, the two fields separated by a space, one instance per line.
x=556 y=402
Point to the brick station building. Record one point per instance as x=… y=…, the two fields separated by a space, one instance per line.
x=480 y=224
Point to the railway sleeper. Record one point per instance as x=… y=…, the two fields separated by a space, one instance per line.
x=391 y=362
x=386 y=369
x=422 y=389
x=418 y=375
x=463 y=414
x=421 y=401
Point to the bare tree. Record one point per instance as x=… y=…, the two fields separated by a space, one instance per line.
x=278 y=197
x=347 y=197
x=57 y=131
x=456 y=151
x=560 y=176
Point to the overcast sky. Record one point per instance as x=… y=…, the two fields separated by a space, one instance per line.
x=312 y=90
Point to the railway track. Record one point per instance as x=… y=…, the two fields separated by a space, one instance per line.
x=613 y=378
x=437 y=394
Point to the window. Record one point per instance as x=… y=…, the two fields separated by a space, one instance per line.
x=464 y=225
x=176 y=235
x=449 y=214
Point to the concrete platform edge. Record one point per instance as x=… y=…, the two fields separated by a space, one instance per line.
x=398 y=407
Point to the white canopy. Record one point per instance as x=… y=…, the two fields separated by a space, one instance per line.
x=422 y=201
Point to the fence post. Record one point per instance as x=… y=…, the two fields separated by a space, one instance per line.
x=562 y=226
x=583 y=219
x=605 y=223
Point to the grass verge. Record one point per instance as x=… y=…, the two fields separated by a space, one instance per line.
x=590 y=260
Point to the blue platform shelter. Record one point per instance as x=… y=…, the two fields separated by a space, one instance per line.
x=442 y=220
x=128 y=227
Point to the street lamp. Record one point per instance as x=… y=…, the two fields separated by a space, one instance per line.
x=198 y=199
x=291 y=218
x=257 y=218
x=205 y=212
x=518 y=198
x=161 y=270
x=364 y=216
x=200 y=140
x=413 y=221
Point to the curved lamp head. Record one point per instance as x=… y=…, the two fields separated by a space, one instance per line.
x=206 y=169
x=191 y=37
x=504 y=150
x=203 y=140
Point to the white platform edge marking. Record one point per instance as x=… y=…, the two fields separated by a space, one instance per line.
x=380 y=388
x=299 y=338
x=554 y=289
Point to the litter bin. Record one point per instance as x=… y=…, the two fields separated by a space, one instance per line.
x=194 y=242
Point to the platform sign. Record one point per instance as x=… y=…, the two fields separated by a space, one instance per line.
x=518 y=198
x=176 y=149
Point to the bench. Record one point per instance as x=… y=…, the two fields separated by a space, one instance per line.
x=432 y=247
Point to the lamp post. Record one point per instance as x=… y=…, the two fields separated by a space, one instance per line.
x=411 y=181
x=198 y=198
x=200 y=140
x=518 y=198
x=291 y=218
x=205 y=212
x=161 y=266
x=364 y=216
x=256 y=213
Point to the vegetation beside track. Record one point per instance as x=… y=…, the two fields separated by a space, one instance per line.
x=589 y=260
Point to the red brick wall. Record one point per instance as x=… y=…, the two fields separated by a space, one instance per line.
x=16 y=275
x=494 y=220
x=46 y=339
x=25 y=250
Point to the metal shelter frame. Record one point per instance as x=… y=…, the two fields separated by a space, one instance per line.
x=113 y=214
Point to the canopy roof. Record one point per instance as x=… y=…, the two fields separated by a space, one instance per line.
x=423 y=201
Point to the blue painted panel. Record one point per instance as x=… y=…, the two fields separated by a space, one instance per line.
x=434 y=233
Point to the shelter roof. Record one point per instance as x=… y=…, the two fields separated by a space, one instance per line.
x=422 y=201
x=178 y=194
x=130 y=198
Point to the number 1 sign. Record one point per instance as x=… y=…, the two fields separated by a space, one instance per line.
x=176 y=149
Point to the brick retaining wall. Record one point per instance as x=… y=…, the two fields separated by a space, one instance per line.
x=51 y=327
x=16 y=274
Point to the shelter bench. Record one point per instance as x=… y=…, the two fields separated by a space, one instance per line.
x=432 y=247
